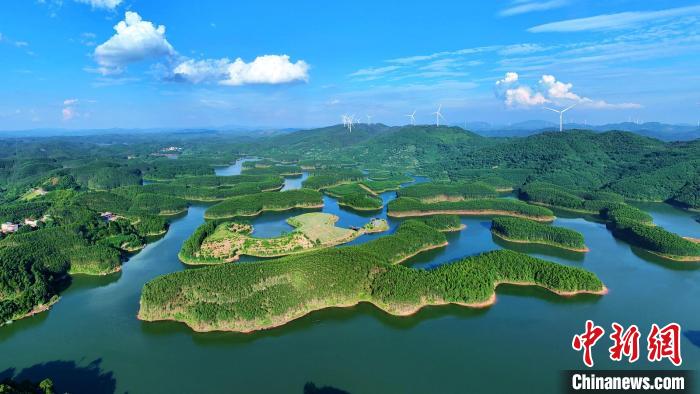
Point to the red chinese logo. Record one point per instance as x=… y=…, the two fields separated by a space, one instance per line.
x=665 y=343
x=587 y=340
x=626 y=343
x=662 y=343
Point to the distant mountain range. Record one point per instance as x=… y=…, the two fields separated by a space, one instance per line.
x=231 y=130
x=662 y=131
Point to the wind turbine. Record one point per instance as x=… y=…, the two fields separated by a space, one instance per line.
x=351 y=121
x=438 y=115
x=369 y=119
x=413 y=118
x=561 y=115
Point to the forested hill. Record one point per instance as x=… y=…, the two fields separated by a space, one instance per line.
x=401 y=146
x=332 y=137
x=632 y=165
x=629 y=164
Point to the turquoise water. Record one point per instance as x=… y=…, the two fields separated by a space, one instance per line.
x=91 y=341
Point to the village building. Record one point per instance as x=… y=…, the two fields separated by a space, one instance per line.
x=109 y=216
x=31 y=222
x=9 y=227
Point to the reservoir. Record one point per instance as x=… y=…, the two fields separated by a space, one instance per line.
x=91 y=341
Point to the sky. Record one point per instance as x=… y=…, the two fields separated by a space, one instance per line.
x=92 y=64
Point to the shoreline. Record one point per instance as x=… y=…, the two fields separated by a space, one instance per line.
x=484 y=212
x=585 y=249
x=573 y=210
x=398 y=311
x=461 y=227
x=263 y=210
x=678 y=259
x=425 y=249
x=358 y=208
x=35 y=311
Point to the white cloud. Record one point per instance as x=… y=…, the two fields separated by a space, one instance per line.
x=374 y=71
x=523 y=96
x=108 y=4
x=510 y=77
x=68 y=112
x=557 y=89
x=549 y=90
x=134 y=41
x=613 y=21
x=520 y=49
x=522 y=7
x=197 y=71
x=267 y=69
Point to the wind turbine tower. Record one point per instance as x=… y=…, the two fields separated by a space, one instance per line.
x=369 y=119
x=438 y=115
x=561 y=115
x=413 y=118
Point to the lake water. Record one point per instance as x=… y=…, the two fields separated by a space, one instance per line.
x=91 y=341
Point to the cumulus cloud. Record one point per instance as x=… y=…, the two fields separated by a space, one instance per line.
x=548 y=90
x=206 y=70
x=511 y=77
x=108 y=4
x=523 y=96
x=517 y=96
x=267 y=69
x=135 y=40
x=557 y=89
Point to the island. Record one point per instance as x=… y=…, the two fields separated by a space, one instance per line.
x=636 y=227
x=408 y=206
x=267 y=294
x=356 y=196
x=444 y=223
x=227 y=241
x=255 y=204
x=513 y=229
x=448 y=191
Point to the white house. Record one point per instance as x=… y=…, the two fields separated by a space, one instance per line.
x=9 y=227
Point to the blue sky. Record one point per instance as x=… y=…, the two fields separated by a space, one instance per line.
x=136 y=63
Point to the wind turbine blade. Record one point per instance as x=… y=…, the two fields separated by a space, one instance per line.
x=568 y=108
x=551 y=109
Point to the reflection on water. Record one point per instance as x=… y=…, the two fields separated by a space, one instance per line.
x=544 y=250
x=67 y=376
x=361 y=349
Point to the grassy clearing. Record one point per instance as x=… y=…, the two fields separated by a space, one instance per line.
x=227 y=241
